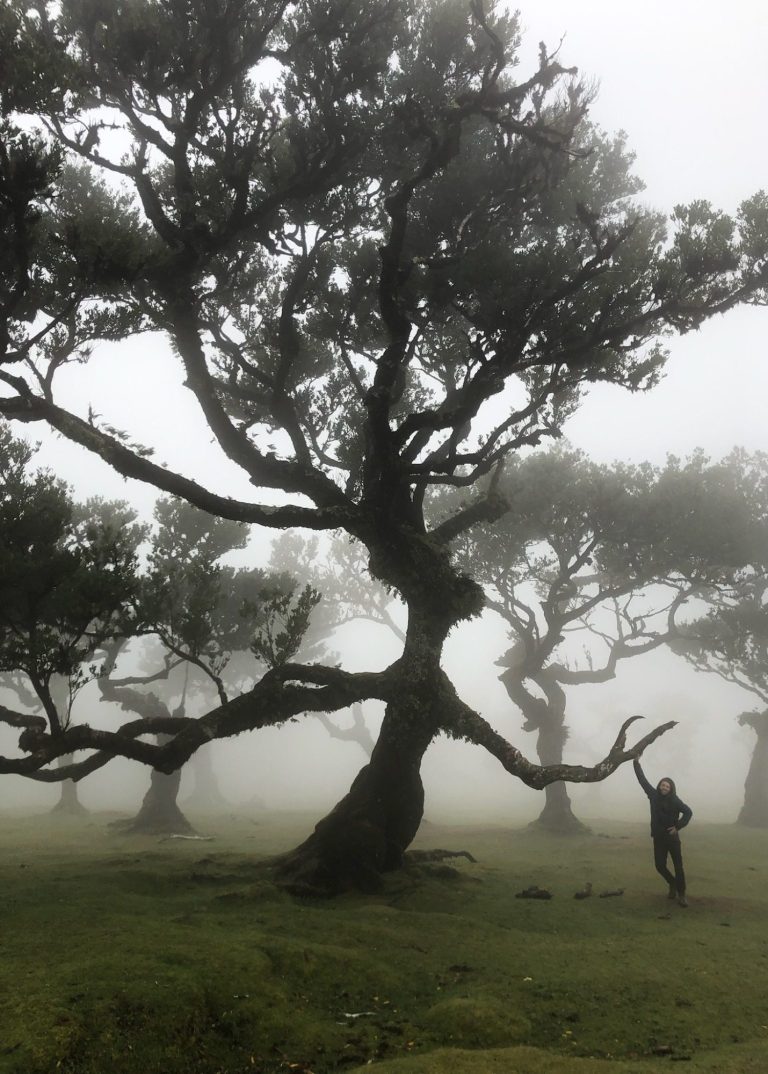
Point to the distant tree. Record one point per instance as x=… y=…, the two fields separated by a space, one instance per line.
x=199 y=611
x=68 y=803
x=612 y=557
x=732 y=641
x=159 y=812
x=73 y=600
x=206 y=795
x=385 y=261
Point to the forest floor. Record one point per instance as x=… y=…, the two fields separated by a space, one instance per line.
x=129 y=955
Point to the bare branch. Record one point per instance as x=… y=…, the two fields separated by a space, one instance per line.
x=28 y=408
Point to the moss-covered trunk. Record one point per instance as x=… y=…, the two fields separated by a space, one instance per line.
x=367 y=832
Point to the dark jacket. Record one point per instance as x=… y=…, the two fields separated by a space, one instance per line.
x=667 y=810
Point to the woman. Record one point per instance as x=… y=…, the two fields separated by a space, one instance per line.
x=668 y=815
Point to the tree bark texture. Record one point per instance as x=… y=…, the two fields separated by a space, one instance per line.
x=367 y=832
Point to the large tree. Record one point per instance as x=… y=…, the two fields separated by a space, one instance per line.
x=385 y=261
x=609 y=559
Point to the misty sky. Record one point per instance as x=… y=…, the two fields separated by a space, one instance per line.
x=689 y=83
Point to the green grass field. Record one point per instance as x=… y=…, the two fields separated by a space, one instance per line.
x=139 y=956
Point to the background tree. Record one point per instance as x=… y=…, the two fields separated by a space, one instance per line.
x=68 y=803
x=610 y=557
x=74 y=600
x=206 y=795
x=732 y=641
x=387 y=269
x=199 y=611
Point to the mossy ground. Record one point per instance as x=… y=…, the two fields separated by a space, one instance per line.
x=139 y=956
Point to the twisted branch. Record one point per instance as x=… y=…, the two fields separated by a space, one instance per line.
x=283 y=693
x=467 y=724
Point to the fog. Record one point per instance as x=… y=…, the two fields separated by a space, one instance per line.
x=298 y=767
x=688 y=82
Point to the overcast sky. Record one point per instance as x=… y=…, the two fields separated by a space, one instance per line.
x=688 y=82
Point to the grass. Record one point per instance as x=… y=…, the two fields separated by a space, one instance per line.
x=138 y=956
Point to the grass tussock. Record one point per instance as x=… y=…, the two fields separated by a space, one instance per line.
x=140 y=956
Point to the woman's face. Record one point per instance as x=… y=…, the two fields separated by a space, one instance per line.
x=665 y=787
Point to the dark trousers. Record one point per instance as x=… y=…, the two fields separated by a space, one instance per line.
x=664 y=846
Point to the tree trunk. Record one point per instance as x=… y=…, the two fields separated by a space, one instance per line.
x=159 y=813
x=754 y=812
x=546 y=716
x=368 y=831
x=557 y=815
x=69 y=804
x=206 y=796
